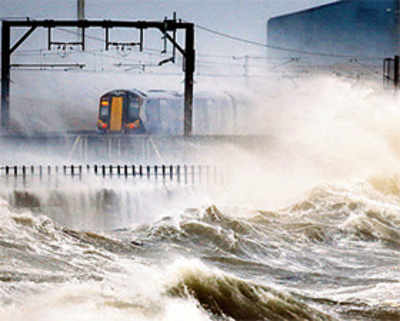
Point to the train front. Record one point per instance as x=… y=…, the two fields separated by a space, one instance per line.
x=119 y=112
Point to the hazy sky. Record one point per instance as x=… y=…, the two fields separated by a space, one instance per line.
x=243 y=18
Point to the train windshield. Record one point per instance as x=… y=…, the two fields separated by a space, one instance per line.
x=133 y=109
x=104 y=112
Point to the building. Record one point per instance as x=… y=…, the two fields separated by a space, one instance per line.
x=332 y=33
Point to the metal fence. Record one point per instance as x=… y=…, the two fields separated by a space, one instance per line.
x=182 y=174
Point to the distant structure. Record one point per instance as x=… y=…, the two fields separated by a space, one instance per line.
x=81 y=9
x=363 y=30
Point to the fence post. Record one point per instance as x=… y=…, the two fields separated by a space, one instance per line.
x=185 y=170
x=15 y=171
x=171 y=173
x=148 y=172
x=156 y=172
x=178 y=174
x=200 y=174
x=23 y=171
x=163 y=169
x=95 y=170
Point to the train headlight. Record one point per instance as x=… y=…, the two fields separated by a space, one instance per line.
x=135 y=124
x=101 y=125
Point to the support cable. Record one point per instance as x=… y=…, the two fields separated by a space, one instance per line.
x=260 y=44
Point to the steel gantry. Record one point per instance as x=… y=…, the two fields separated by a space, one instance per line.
x=166 y=26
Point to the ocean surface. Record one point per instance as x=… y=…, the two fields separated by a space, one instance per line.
x=308 y=231
x=333 y=255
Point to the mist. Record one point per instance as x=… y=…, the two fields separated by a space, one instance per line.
x=299 y=221
x=316 y=128
x=67 y=99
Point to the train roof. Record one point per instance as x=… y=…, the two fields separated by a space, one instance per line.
x=169 y=94
x=207 y=94
x=122 y=91
x=161 y=93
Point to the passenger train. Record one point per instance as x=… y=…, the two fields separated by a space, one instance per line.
x=161 y=112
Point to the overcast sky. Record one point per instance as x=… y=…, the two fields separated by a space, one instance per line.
x=246 y=19
x=243 y=18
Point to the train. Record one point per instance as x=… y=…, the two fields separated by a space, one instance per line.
x=161 y=112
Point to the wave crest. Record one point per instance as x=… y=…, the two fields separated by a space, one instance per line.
x=227 y=296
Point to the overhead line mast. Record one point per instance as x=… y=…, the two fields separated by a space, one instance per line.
x=187 y=51
x=80 y=14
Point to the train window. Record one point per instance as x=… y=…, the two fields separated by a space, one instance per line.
x=133 y=110
x=104 y=112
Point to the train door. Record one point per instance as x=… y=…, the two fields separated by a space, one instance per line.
x=153 y=116
x=116 y=113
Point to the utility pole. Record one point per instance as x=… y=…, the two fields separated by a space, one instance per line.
x=391 y=66
x=80 y=6
x=189 y=66
x=81 y=9
x=5 y=75
x=245 y=67
x=397 y=19
x=397 y=49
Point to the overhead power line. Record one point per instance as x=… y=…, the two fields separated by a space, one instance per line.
x=254 y=43
x=156 y=53
x=260 y=44
x=13 y=18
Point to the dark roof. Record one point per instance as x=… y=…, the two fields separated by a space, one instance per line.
x=334 y=3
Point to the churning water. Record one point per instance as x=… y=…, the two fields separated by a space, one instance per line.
x=308 y=229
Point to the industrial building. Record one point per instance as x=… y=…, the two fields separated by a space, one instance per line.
x=366 y=30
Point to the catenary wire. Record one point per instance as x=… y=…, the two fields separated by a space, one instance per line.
x=255 y=43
